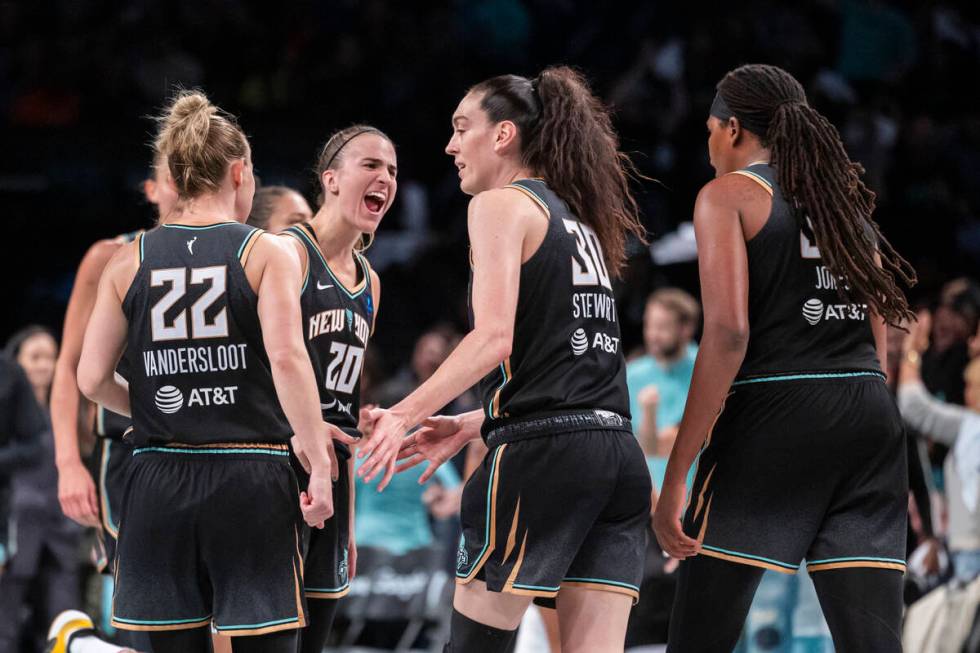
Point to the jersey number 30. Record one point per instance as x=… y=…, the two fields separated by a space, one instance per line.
x=591 y=269
x=200 y=327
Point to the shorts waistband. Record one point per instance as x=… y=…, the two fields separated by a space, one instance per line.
x=275 y=449
x=808 y=376
x=555 y=425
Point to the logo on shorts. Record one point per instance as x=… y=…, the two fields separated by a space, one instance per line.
x=342 y=569
x=169 y=399
x=462 y=558
x=579 y=342
x=813 y=311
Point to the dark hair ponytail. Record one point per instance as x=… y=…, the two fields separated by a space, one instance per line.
x=818 y=178
x=567 y=137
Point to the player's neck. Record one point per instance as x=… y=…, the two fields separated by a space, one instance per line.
x=204 y=210
x=752 y=157
x=510 y=174
x=335 y=235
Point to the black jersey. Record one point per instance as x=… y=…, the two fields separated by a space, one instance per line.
x=797 y=320
x=198 y=368
x=566 y=354
x=107 y=423
x=337 y=324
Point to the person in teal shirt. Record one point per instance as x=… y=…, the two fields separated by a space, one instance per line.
x=397 y=519
x=659 y=380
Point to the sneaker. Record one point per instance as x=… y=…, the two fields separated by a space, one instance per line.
x=65 y=627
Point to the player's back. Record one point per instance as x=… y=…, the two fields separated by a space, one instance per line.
x=199 y=371
x=798 y=322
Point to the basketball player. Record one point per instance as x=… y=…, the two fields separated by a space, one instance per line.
x=357 y=172
x=207 y=310
x=81 y=499
x=558 y=509
x=276 y=207
x=804 y=452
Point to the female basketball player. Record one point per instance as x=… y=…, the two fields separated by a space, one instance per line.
x=207 y=310
x=80 y=500
x=356 y=170
x=558 y=509
x=804 y=453
x=274 y=208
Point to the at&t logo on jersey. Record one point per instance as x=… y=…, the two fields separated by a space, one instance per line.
x=604 y=342
x=815 y=311
x=169 y=399
x=579 y=342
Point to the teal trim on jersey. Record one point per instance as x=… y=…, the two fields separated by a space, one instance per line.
x=367 y=271
x=486 y=531
x=245 y=242
x=294 y=231
x=191 y=227
x=746 y=171
x=142 y=238
x=161 y=622
x=330 y=590
x=518 y=183
x=261 y=625
x=750 y=557
x=535 y=587
x=815 y=375
x=103 y=490
x=268 y=452
x=503 y=374
x=858 y=559
x=602 y=581
x=326 y=267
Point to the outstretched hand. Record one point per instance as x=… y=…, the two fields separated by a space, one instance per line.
x=379 y=454
x=439 y=439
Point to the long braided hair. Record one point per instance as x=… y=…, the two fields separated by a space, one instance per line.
x=823 y=185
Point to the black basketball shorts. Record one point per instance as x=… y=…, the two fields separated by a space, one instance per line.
x=548 y=510
x=210 y=534
x=810 y=466
x=325 y=550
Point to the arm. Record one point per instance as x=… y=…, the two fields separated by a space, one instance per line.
x=649 y=399
x=105 y=336
x=67 y=404
x=275 y=270
x=723 y=266
x=498 y=222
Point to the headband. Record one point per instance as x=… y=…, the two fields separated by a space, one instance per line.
x=721 y=111
x=344 y=144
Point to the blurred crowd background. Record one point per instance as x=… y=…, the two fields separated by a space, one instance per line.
x=79 y=80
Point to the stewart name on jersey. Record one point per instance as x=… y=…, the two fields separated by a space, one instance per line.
x=566 y=355
x=199 y=373
x=338 y=323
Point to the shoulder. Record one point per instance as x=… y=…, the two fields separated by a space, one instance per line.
x=508 y=202
x=97 y=257
x=731 y=191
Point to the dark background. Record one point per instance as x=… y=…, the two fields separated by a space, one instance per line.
x=78 y=80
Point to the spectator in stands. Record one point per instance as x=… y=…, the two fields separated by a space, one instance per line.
x=957 y=427
x=46 y=554
x=659 y=380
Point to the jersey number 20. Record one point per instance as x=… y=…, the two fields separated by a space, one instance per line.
x=200 y=327
x=348 y=359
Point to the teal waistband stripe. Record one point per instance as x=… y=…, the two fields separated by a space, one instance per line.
x=750 y=556
x=262 y=625
x=268 y=452
x=857 y=559
x=814 y=375
x=602 y=581
x=536 y=587
x=164 y=622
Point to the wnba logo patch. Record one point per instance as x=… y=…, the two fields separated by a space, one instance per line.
x=579 y=342
x=813 y=311
x=169 y=399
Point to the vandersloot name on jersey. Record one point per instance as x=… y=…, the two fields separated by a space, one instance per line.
x=195 y=360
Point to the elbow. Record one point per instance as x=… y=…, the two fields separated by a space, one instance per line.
x=500 y=344
x=88 y=384
x=286 y=359
x=730 y=337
